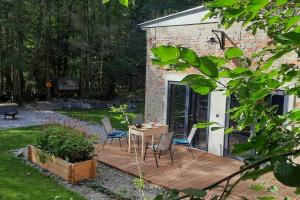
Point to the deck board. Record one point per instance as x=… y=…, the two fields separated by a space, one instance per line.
x=187 y=172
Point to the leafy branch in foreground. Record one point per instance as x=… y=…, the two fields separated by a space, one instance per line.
x=275 y=137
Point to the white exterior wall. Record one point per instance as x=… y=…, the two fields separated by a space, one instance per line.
x=217 y=114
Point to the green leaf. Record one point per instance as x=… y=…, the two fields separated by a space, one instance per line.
x=166 y=53
x=291 y=22
x=272 y=189
x=257 y=173
x=287 y=198
x=222 y=3
x=200 y=84
x=259 y=94
x=256 y=5
x=276 y=56
x=233 y=52
x=294 y=114
x=257 y=187
x=274 y=20
x=229 y=130
x=297 y=191
x=105 y=1
x=281 y=2
x=189 y=56
x=194 y=192
x=208 y=67
x=287 y=172
x=124 y=2
x=293 y=36
x=204 y=124
x=266 y=198
x=242 y=148
x=294 y=90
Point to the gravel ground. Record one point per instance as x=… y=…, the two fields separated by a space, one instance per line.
x=109 y=183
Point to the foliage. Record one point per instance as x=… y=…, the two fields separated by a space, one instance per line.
x=69 y=145
x=21 y=181
x=95 y=115
x=99 y=45
x=275 y=137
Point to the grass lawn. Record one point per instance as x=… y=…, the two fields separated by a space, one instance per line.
x=95 y=115
x=19 y=181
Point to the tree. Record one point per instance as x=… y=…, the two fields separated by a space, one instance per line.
x=276 y=138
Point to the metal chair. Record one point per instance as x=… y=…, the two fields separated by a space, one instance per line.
x=112 y=133
x=164 y=144
x=186 y=141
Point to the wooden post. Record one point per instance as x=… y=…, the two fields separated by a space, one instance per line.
x=29 y=153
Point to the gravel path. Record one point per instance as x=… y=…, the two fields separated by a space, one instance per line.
x=35 y=118
x=109 y=183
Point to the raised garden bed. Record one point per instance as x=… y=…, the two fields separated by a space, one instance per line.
x=71 y=172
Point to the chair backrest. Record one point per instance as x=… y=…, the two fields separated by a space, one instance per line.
x=107 y=125
x=165 y=141
x=139 y=119
x=192 y=134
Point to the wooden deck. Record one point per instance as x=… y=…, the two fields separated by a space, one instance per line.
x=187 y=172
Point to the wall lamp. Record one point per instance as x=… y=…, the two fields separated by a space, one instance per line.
x=221 y=38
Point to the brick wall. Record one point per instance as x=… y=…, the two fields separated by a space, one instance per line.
x=195 y=37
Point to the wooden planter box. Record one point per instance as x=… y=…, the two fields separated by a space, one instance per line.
x=72 y=172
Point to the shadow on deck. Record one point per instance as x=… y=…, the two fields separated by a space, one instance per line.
x=187 y=172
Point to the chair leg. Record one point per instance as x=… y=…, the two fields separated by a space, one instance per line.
x=120 y=143
x=171 y=155
x=145 y=152
x=154 y=151
x=105 y=142
x=159 y=154
x=111 y=141
x=190 y=148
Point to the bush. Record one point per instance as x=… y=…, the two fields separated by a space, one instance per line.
x=66 y=143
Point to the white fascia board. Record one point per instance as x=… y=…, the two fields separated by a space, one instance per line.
x=187 y=17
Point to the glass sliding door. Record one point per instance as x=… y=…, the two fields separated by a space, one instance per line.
x=236 y=137
x=199 y=112
x=177 y=107
x=274 y=99
x=186 y=108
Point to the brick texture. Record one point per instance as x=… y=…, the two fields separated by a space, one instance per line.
x=194 y=37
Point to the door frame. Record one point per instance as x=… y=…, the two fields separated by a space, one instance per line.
x=187 y=107
x=226 y=138
x=187 y=93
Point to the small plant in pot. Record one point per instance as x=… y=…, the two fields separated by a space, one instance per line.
x=64 y=152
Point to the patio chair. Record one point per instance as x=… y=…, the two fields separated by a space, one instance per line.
x=186 y=141
x=164 y=144
x=112 y=133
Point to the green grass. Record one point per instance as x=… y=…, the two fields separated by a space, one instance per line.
x=19 y=181
x=95 y=115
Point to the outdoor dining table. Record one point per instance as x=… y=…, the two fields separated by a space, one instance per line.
x=144 y=132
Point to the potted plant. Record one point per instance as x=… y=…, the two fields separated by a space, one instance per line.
x=64 y=152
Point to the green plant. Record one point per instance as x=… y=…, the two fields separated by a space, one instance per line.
x=276 y=137
x=19 y=180
x=124 y=118
x=69 y=145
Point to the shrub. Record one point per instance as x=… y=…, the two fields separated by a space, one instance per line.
x=66 y=143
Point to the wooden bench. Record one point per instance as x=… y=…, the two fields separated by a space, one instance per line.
x=9 y=110
x=10 y=114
